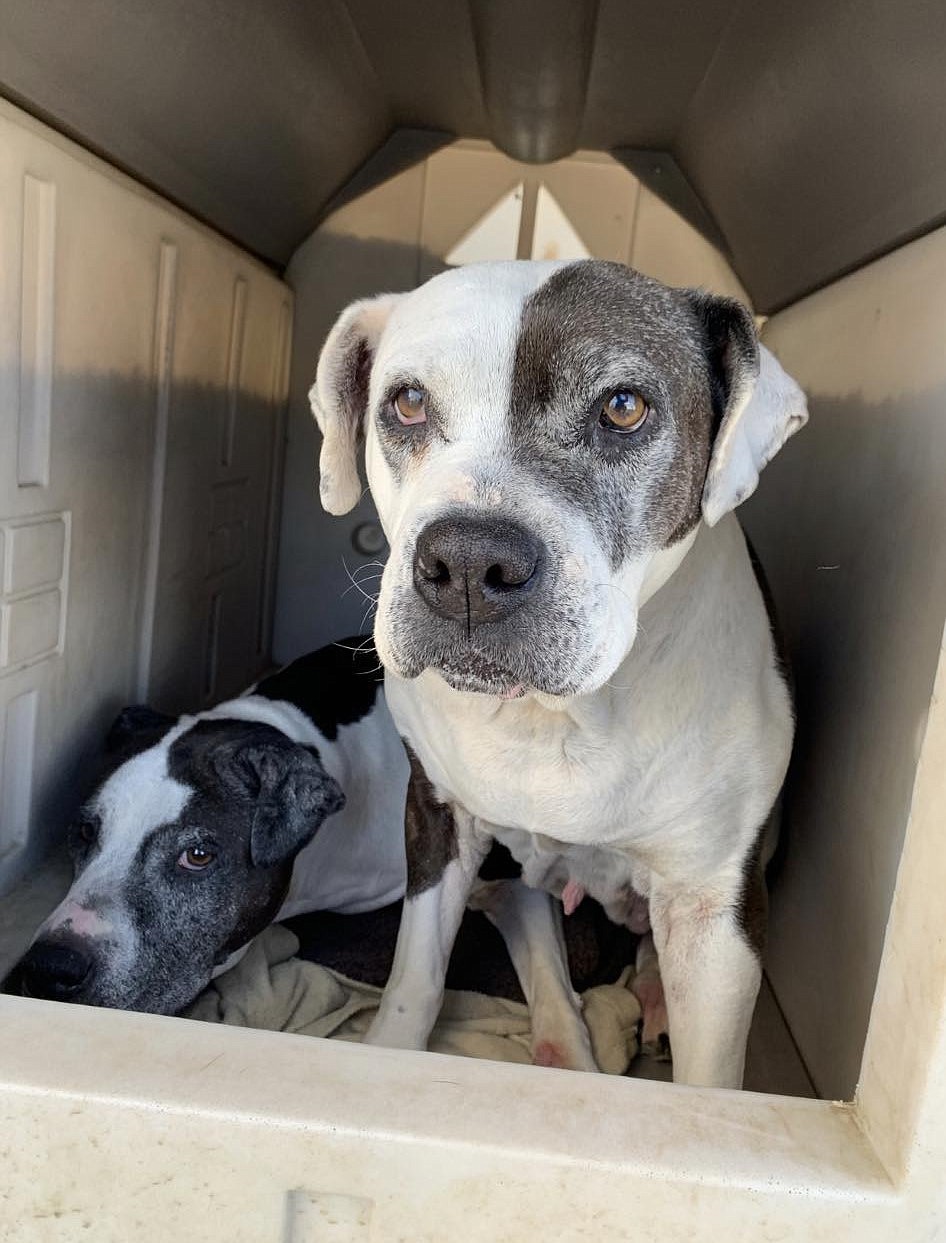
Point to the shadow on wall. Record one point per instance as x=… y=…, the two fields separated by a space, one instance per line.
x=317 y=600
x=105 y=594
x=842 y=522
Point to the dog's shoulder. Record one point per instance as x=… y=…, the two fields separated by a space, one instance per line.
x=336 y=685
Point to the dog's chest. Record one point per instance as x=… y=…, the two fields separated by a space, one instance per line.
x=673 y=781
x=602 y=783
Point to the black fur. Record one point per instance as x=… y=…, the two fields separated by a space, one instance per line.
x=430 y=834
x=337 y=685
x=237 y=767
x=590 y=329
x=135 y=729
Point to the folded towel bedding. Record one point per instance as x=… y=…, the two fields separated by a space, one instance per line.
x=274 y=989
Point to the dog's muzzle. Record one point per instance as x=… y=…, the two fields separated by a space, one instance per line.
x=474 y=570
x=54 y=969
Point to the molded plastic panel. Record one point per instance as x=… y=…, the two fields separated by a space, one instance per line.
x=848 y=522
x=142 y=381
x=811 y=131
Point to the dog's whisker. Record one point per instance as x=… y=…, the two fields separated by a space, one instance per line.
x=366 y=646
x=373 y=599
x=616 y=687
x=620 y=590
x=362 y=577
x=364 y=594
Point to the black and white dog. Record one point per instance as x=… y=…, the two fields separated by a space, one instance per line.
x=578 y=651
x=285 y=800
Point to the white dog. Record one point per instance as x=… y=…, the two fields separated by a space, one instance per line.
x=578 y=652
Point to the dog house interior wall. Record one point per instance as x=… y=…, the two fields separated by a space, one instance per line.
x=150 y=548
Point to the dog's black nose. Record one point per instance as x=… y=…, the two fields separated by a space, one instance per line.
x=53 y=970
x=476 y=570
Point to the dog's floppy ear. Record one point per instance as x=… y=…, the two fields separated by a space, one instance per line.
x=293 y=794
x=760 y=405
x=339 y=397
x=135 y=729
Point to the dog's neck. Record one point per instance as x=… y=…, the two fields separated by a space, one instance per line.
x=606 y=768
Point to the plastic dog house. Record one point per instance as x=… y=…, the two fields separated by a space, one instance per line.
x=156 y=542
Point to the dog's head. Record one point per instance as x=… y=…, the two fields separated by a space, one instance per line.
x=542 y=442
x=183 y=854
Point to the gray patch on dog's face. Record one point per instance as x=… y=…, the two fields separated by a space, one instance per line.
x=610 y=508
x=593 y=329
x=240 y=791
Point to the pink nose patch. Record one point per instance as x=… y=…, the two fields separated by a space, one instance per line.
x=572 y=896
x=82 y=921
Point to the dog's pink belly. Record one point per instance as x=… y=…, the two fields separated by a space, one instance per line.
x=638 y=915
x=629 y=908
x=571 y=873
x=572 y=896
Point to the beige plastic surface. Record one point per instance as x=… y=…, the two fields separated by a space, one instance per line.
x=850 y=528
x=396 y=236
x=143 y=372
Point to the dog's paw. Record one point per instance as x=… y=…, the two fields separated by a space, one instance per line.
x=561 y=1038
x=563 y=1055
x=655 y=1030
x=648 y=988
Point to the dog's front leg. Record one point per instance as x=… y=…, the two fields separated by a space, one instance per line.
x=531 y=926
x=711 y=977
x=445 y=848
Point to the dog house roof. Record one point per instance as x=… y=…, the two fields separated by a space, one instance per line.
x=808 y=137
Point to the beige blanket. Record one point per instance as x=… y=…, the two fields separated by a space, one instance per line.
x=272 y=989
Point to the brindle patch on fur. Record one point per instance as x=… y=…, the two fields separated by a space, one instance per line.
x=753 y=906
x=352 y=379
x=430 y=833
x=592 y=328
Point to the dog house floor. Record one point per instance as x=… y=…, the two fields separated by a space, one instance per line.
x=773 y=1063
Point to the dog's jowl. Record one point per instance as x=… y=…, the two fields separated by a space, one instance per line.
x=577 y=649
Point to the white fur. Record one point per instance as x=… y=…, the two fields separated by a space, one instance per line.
x=532 y=930
x=137 y=798
x=656 y=777
x=763 y=417
x=339 y=485
x=355 y=862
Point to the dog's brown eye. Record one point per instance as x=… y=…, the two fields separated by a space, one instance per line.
x=410 y=406
x=195 y=860
x=624 y=411
x=85 y=830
